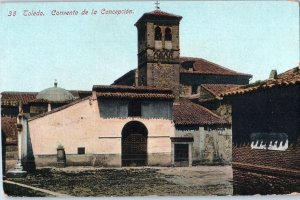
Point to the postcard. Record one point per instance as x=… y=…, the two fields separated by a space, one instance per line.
x=149 y=98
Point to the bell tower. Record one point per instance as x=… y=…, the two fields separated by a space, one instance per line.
x=159 y=50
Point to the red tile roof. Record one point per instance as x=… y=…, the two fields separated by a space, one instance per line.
x=14 y=98
x=202 y=66
x=189 y=113
x=162 y=13
x=133 y=92
x=159 y=14
x=290 y=77
x=218 y=89
x=9 y=128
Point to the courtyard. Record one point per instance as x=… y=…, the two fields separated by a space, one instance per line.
x=137 y=181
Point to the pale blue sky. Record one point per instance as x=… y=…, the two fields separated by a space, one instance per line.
x=80 y=51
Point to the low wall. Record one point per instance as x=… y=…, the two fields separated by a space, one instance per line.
x=210 y=146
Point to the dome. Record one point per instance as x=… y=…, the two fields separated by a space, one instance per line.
x=55 y=94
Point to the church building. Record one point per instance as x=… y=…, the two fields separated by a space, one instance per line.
x=149 y=116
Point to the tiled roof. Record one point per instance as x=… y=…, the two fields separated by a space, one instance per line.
x=9 y=128
x=189 y=113
x=202 y=66
x=80 y=93
x=129 y=76
x=218 y=89
x=130 y=88
x=133 y=92
x=162 y=13
x=159 y=14
x=190 y=65
x=38 y=101
x=290 y=77
x=14 y=98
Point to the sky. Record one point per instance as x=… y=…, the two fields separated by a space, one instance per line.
x=81 y=51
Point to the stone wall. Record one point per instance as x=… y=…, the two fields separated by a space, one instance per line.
x=225 y=111
x=163 y=75
x=158 y=61
x=211 y=145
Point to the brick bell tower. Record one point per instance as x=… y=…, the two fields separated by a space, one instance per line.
x=159 y=50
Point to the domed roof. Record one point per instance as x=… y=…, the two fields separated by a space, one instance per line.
x=55 y=94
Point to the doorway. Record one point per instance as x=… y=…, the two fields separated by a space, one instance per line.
x=134 y=144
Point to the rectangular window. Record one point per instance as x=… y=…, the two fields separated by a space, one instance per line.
x=194 y=89
x=81 y=150
x=134 y=109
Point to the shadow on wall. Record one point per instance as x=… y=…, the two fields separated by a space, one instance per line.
x=28 y=161
x=3 y=139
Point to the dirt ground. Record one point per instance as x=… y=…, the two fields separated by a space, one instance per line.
x=142 y=181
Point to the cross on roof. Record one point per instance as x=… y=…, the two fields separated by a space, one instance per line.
x=157 y=5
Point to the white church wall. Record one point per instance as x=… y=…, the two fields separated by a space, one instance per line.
x=80 y=125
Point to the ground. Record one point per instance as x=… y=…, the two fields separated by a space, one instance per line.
x=88 y=181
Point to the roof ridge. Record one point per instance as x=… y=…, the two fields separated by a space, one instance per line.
x=223 y=67
x=195 y=59
x=205 y=86
x=290 y=77
x=289 y=70
x=17 y=92
x=184 y=114
x=164 y=12
x=219 y=117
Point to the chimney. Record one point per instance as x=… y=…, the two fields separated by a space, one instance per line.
x=55 y=83
x=273 y=74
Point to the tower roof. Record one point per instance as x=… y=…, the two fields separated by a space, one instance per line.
x=156 y=15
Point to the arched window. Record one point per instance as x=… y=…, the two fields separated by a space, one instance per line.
x=157 y=33
x=168 y=34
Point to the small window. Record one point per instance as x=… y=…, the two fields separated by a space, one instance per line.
x=194 y=89
x=168 y=34
x=81 y=150
x=157 y=33
x=134 y=109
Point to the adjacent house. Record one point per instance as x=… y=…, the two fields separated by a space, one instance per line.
x=266 y=134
